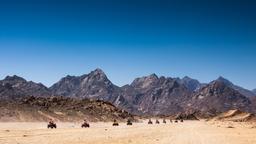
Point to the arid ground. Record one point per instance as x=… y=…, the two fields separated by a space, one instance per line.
x=189 y=132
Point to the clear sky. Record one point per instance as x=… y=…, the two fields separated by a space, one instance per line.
x=44 y=40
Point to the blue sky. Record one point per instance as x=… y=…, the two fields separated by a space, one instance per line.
x=45 y=40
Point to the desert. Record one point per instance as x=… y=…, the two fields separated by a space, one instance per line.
x=188 y=132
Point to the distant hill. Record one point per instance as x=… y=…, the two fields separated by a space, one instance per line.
x=60 y=109
x=235 y=116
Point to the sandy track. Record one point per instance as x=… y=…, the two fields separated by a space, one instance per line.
x=189 y=132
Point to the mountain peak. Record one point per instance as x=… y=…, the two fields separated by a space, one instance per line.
x=145 y=81
x=241 y=90
x=186 y=77
x=153 y=76
x=221 y=78
x=21 y=87
x=98 y=71
x=224 y=80
x=14 y=78
x=191 y=84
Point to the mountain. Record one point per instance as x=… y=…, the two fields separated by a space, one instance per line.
x=155 y=95
x=145 y=95
x=253 y=100
x=219 y=96
x=15 y=86
x=60 y=109
x=254 y=91
x=8 y=92
x=243 y=91
x=94 y=85
x=191 y=84
x=148 y=95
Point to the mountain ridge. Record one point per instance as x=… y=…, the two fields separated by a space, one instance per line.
x=15 y=86
x=147 y=95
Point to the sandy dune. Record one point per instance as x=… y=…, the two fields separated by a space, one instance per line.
x=189 y=132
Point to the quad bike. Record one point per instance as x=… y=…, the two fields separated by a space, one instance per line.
x=51 y=125
x=129 y=122
x=85 y=125
x=150 y=122
x=164 y=121
x=115 y=123
x=157 y=122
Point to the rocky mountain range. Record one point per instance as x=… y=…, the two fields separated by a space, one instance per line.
x=148 y=95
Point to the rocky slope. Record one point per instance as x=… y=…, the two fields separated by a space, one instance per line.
x=60 y=109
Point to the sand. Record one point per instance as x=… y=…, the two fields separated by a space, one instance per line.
x=189 y=132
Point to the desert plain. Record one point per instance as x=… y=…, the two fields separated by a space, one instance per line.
x=188 y=132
